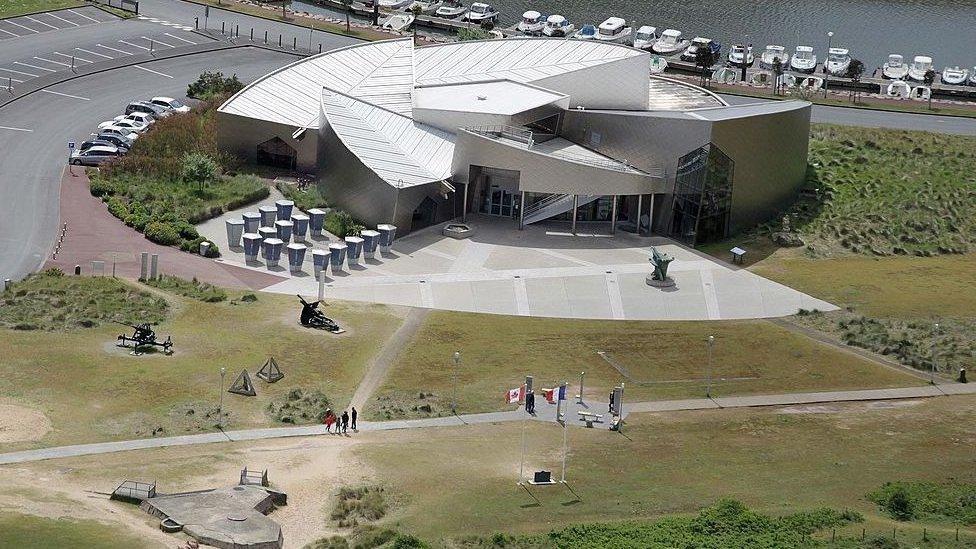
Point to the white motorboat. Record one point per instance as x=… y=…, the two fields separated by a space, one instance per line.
x=558 y=27
x=658 y=65
x=810 y=82
x=398 y=21
x=426 y=8
x=786 y=80
x=386 y=5
x=725 y=75
x=531 y=23
x=898 y=89
x=670 y=43
x=920 y=65
x=700 y=42
x=895 y=68
x=773 y=52
x=451 y=9
x=972 y=77
x=741 y=56
x=481 y=12
x=645 y=37
x=955 y=76
x=586 y=32
x=838 y=60
x=923 y=93
x=804 y=60
x=614 y=29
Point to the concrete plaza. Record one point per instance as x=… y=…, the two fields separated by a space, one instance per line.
x=541 y=271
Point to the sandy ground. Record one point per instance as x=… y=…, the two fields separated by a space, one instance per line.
x=22 y=424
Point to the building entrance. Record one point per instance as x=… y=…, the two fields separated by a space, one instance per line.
x=499 y=202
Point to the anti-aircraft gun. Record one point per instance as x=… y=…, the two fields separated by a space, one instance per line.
x=312 y=317
x=143 y=336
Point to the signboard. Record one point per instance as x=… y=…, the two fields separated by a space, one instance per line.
x=71 y=145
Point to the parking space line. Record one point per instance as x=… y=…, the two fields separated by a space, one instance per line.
x=23 y=27
x=113 y=49
x=33 y=66
x=52 y=62
x=65 y=20
x=10 y=33
x=42 y=22
x=85 y=16
x=134 y=45
x=10 y=79
x=94 y=53
x=158 y=42
x=75 y=57
x=152 y=71
x=178 y=38
x=18 y=72
x=66 y=95
x=15 y=129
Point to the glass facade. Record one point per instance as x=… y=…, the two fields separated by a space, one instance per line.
x=702 y=196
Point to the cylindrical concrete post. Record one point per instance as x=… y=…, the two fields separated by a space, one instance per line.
x=337 y=250
x=144 y=265
x=370 y=240
x=354 y=248
x=267 y=232
x=296 y=257
x=204 y=248
x=268 y=214
x=271 y=249
x=235 y=230
x=387 y=235
x=320 y=261
x=154 y=266
x=316 y=221
x=252 y=245
x=252 y=220
x=284 y=208
x=299 y=227
x=284 y=228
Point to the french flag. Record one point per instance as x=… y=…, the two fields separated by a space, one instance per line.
x=552 y=395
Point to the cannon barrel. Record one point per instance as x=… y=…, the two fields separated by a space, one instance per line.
x=125 y=324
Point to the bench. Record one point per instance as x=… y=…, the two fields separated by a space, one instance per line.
x=589 y=417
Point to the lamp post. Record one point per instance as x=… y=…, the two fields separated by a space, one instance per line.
x=220 y=405
x=935 y=350
x=708 y=372
x=830 y=35
x=457 y=362
x=396 y=199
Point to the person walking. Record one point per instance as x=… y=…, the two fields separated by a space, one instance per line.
x=329 y=420
x=354 y=415
x=345 y=421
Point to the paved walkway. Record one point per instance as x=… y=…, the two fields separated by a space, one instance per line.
x=377 y=371
x=545 y=413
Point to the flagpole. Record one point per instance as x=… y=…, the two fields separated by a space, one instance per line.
x=522 y=456
x=564 y=447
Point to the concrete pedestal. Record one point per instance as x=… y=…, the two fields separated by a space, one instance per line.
x=666 y=283
x=235 y=230
x=299 y=227
x=296 y=257
x=387 y=236
x=252 y=220
x=316 y=221
x=271 y=249
x=354 y=248
x=337 y=251
x=284 y=230
x=320 y=261
x=252 y=245
x=268 y=214
x=371 y=239
x=284 y=208
x=267 y=232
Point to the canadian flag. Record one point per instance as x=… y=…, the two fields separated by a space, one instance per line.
x=552 y=395
x=515 y=395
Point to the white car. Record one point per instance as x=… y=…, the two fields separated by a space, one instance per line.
x=120 y=131
x=131 y=125
x=170 y=104
x=95 y=155
x=142 y=117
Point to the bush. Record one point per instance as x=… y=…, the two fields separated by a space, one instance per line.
x=212 y=84
x=201 y=291
x=342 y=224
x=473 y=33
x=299 y=406
x=199 y=168
x=952 y=501
x=355 y=504
x=406 y=541
x=162 y=233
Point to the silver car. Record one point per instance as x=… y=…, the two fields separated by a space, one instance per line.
x=94 y=156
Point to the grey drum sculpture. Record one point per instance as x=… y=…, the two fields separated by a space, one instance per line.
x=235 y=230
x=252 y=245
x=320 y=261
x=272 y=251
x=268 y=214
x=284 y=208
x=338 y=251
x=252 y=220
x=387 y=235
x=267 y=232
x=299 y=227
x=296 y=257
x=370 y=240
x=284 y=228
x=316 y=221
x=354 y=248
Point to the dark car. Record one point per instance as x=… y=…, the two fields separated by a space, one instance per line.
x=102 y=143
x=117 y=140
x=147 y=107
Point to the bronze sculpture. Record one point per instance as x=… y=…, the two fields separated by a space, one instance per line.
x=312 y=317
x=660 y=260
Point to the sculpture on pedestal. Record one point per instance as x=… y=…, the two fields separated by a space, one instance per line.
x=312 y=317
x=661 y=261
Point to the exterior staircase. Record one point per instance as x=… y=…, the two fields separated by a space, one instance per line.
x=553 y=205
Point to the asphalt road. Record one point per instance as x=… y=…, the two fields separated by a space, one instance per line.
x=32 y=161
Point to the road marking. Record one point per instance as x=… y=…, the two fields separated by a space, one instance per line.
x=152 y=71
x=521 y=298
x=52 y=62
x=15 y=129
x=10 y=80
x=75 y=57
x=113 y=49
x=10 y=33
x=134 y=45
x=708 y=291
x=18 y=72
x=66 y=95
x=33 y=66
x=178 y=38
x=85 y=16
x=93 y=53
x=42 y=22
x=65 y=20
x=157 y=41
x=23 y=27
x=613 y=292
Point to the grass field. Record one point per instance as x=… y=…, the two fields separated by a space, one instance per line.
x=12 y=8
x=498 y=351
x=18 y=530
x=92 y=391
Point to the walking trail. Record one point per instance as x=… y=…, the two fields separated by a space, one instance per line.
x=546 y=415
x=377 y=371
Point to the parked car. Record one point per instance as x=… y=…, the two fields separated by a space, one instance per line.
x=96 y=142
x=95 y=156
x=121 y=132
x=143 y=117
x=170 y=104
x=132 y=125
x=123 y=143
x=147 y=107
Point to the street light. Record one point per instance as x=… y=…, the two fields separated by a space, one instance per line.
x=935 y=350
x=220 y=405
x=396 y=200
x=830 y=34
x=457 y=362
x=708 y=372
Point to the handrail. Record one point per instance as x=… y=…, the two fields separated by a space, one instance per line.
x=545 y=202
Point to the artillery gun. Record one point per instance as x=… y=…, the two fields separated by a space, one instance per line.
x=312 y=317
x=143 y=336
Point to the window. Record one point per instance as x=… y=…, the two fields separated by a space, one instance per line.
x=702 y=196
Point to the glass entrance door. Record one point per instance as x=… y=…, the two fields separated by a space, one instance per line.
x=499 y=202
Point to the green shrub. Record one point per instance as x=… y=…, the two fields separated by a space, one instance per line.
x=473 y=33
x=299 y=406
x=212 y=84
x=950 y=501
x=305 y=199
x=199 y=168
x=162 y=233
x=363 y=503
x=201 y=291
x=407 y=541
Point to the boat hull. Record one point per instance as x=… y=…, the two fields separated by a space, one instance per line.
x=668 y=49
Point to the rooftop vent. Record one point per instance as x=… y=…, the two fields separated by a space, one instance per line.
x=482 y=97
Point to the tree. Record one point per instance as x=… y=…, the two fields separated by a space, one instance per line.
x=348 y=5
x=854 y=71
x=704 y=59
x=777 y=72
x=417 y=12
x=487 y=25
x=927 y=80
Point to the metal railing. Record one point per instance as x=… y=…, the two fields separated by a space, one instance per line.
x=515 y=133
x=544 y=203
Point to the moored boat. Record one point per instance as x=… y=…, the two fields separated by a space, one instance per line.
x=645 y=37
x=741 y=55
x=921 y=65
x=670 y=43
x=895 y=68
x=398 y=21
x=955 y=76
x=558 y=27
x=804 y=60
x=614 y=29
x=481 y=12
x=699 y=42
x=531 y=23
x=586 y=32
x=773 y=52
x=451 y=9
x=838 y=61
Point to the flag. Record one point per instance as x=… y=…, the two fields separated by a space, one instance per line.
x=552 y=395
x=515 y=395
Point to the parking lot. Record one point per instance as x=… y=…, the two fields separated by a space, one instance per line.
x=28 y=25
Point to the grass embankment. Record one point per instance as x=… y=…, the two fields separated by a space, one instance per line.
x=194 y=289
x=93 y=391
x=53 y=301
x=775 y=461
x=13 y=8
x=154 y=190
x=952 y=502
x=46 y=533
x=664 y=360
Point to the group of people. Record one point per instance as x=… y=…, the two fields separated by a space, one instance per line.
x=341 y=422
